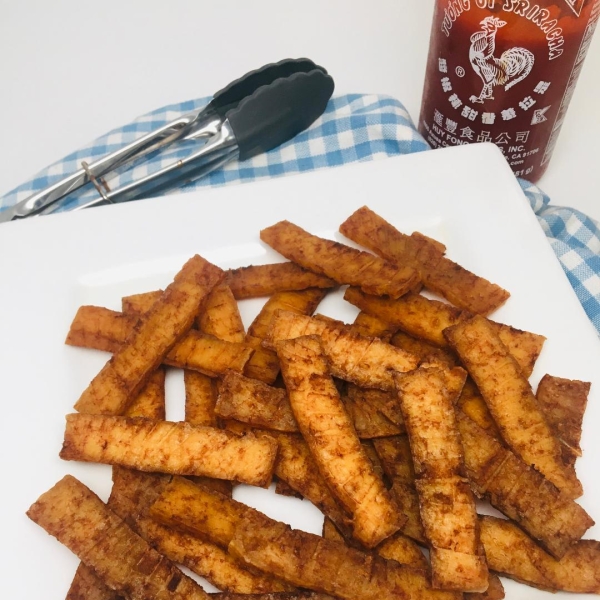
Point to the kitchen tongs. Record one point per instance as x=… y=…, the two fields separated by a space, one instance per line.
x=253 y=114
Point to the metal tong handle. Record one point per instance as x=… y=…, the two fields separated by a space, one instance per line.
x=195 y=125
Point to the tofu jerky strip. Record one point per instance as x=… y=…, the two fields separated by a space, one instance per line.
x=265 y=280
x=132 y=495
x=154 y=335
x=511 y=553
x=263 y=364
x=309 y=561
x=168 y=447
x=150 y=403
x=341 y=263
x=447 y=505
x=394 y=453
x=220 y=316
x=254 y=402
x=398 y=547
x=521 y=492
x=103 y=329
x=124 y=561
x=367 y=362
x=330 y=435
x=563 y=402
x=426 y=319
x=302 y=559
x=510 y=399
x=438 y=273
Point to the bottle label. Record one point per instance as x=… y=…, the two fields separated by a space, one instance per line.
x=503 y=71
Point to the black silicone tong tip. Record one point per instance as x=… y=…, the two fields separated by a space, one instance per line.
x=230 y=96
x=277 y=112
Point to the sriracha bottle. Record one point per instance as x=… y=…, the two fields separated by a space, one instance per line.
x=504 y=71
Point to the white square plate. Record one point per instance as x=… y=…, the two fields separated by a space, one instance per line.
x=466 y=197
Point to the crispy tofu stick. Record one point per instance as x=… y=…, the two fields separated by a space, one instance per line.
x=426 y=319
x=168 y=448
x=199 y=511
x=86 y=585
x=446 y=504
x=332 y=440
x=125 y=562
x=495 y=590
x=200 y=399
x=369 y=326
x=367 y=362
x=439 y=274
x=263 y=365
x=511 y=402
x=563 y=402
x=220 y=316
x=520 y=492
x=298 y=595
x=426 y=351
x=296 y=466
x=211 y=515
x=365 y=413
x=138 y=304
x=396 y=459
x=256 y=403
x=265 y=280
x=472 y=404
x=117 y=384
x=309 y=561
x=150 y=403
x=132 y=495
x=397 y=547
x=104 y=329
x=510 y=552
x=339 y=262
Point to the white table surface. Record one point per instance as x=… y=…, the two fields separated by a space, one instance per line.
x=72 y=70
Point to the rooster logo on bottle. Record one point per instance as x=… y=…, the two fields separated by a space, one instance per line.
x=511 y=67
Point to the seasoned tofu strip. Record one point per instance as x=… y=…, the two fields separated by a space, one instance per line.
x=263 y=364
x=132 y=495
x=394 y=453
x=446 y=503
x=300 y=558
x=265 y=280
x=331 y=437
x=520 y=492
x=124 y=561
x=309 y=561
x=220 y=316
x=167 y=447
x=341 y=263
x=254 y=402
x=438 y=273
x=103 y=329
x=510 y=399
x=260 y=405
x=563 y=402
x=426 y=319
x=398 y=547
x=117 y=384
x=367 y=362
x=150 y=404
x=511 y=553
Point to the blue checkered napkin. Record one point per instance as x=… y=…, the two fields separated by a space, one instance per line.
x=575 y=239
x=355 y=127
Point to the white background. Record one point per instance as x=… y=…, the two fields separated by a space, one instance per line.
x=70 y=70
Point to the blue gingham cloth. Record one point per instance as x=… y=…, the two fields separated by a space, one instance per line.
x=354 y=127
